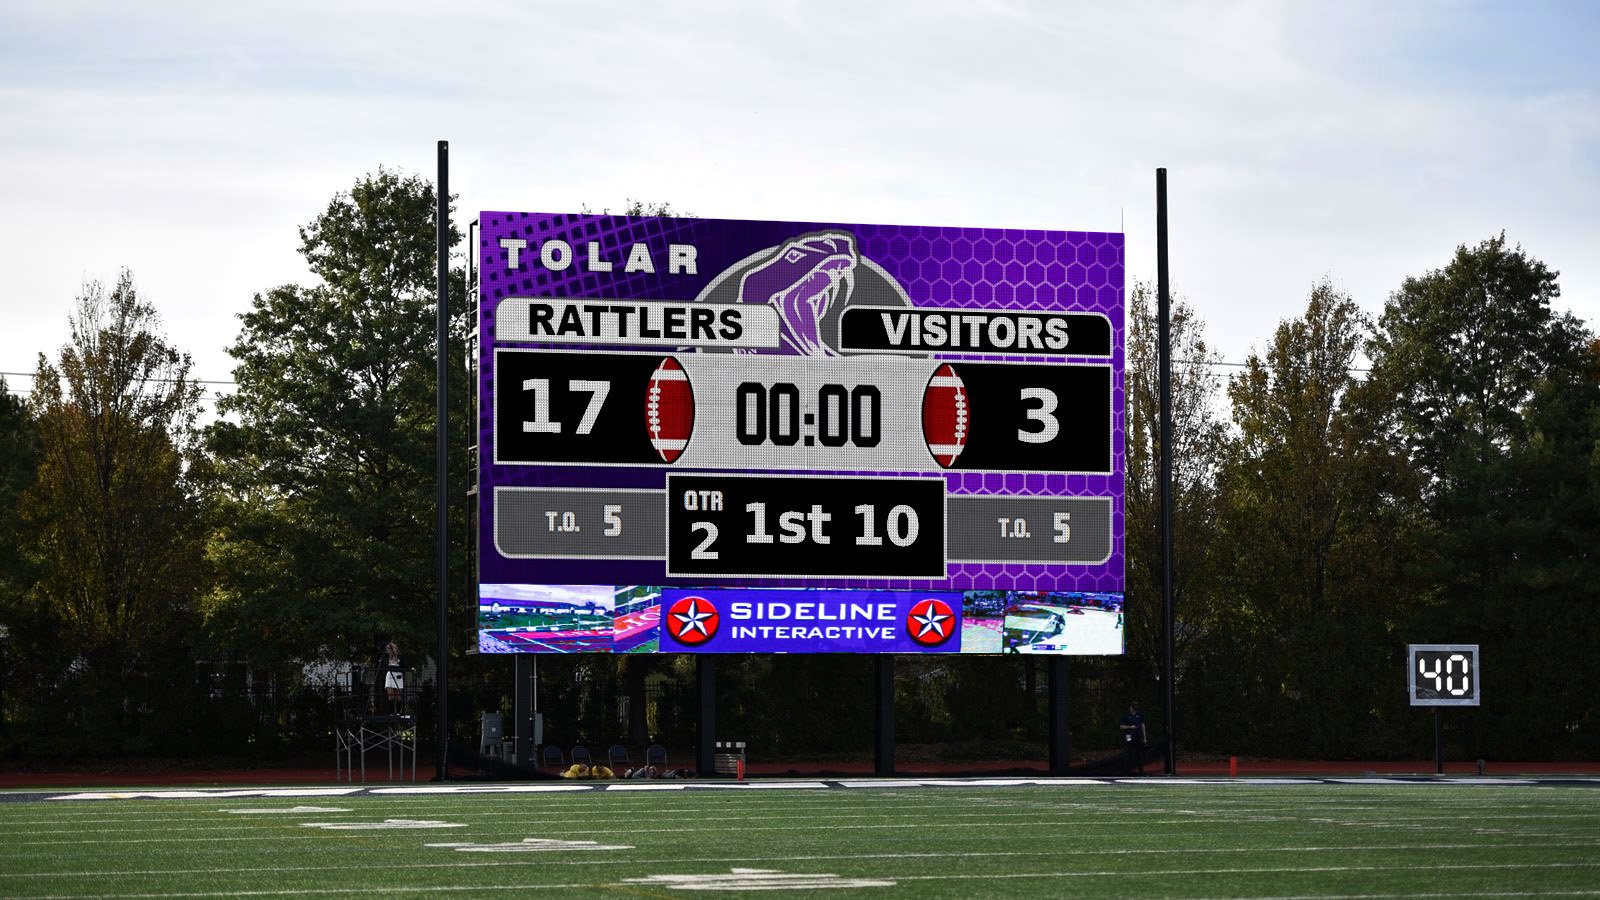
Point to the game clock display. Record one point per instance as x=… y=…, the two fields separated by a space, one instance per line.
x=930 y=416
x=731 y=412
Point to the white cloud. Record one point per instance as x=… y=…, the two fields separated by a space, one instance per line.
x=187 y=141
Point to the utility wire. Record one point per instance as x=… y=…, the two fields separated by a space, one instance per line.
x=1212 y=363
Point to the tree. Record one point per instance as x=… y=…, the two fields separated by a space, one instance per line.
x=1198 y=439
x=111 y=524
x=1317 y=512
x=1492 y=396
x=18 y=461
x=326 y=452
x=1462 y=351
x=19 y=455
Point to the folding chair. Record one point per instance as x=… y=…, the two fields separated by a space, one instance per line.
x=618 y=756
x=553 y=758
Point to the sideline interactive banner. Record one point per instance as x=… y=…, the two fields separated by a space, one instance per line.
x=713 y=436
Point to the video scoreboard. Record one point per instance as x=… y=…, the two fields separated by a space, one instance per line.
x=701 y=435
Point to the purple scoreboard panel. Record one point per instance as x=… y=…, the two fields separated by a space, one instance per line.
x=713 y=436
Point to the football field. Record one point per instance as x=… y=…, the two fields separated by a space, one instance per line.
x=986 y=838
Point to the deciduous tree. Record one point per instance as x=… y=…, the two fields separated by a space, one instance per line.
x=112 y=524
x=1198 y=439
x=1491 y=394
x=1317 y=512
x=326 y=450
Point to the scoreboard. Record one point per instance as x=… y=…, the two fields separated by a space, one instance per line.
x=700 y=435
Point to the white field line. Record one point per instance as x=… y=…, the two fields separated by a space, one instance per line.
x=624 y=815
x=1425 y=782
x=1415 y=894
x=820 y=857
x=585 y=794
x=1122 y=876
x=1072 y=824
x=1049 y=816
x=65 y=815
x=1269 y=870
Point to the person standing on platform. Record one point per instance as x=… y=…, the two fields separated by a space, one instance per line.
x=1133 y=737
x=392 y=670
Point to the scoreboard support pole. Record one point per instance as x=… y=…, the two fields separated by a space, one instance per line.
x=440 y=467
x=1164 y=333
x=523 y=701
x=1060 y=722
x=1438 y=742
x=883 y=715
x=705 y=676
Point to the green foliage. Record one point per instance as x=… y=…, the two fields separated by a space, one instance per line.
x=1493 y=397
x=1198 y=440
x=326 y=451
x=1462 y=352
x=19 y=460
x=111 y=525
x=1316 y=510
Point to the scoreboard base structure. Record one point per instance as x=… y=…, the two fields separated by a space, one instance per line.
x=729 y=759
x=354 y=738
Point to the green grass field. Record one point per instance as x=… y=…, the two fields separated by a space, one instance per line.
x=1151 y=839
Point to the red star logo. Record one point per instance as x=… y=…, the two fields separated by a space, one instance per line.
x=692 y=621
x=930 y=622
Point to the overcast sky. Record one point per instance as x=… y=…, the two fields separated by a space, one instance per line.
x=1359 y=142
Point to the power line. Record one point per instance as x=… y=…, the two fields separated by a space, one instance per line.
x=1211 y=363
x=161 y=380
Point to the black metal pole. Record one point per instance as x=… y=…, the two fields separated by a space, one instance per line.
x=706 y=679
x=1060 y=720
x=1164 y=331
x=440 y=467
x=883 y=715
x=522 y=709
x=1438 y=742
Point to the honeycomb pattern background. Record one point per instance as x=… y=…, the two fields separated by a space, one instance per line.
x=950 y=267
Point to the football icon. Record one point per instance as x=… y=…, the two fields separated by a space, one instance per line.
x=669 y=409
x=946 y=417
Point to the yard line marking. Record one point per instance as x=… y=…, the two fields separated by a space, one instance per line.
x=486 y=789
x=354 y=891
x=844 y=783
x=1276 y=870
x=821 y=857
x=756 y=880
x=200 y=795
x=385 y=825
x=1124 y=875
x=1072 y=824
x=1452 y=894
x=290 y=810
x=531 y=845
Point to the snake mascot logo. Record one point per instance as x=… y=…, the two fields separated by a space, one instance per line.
x=810 y=280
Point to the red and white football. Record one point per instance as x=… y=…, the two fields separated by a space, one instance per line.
x=946 y=418
x=669 y=409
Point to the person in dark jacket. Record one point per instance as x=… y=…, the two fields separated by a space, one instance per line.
x=1133 y=737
